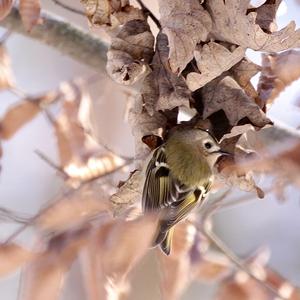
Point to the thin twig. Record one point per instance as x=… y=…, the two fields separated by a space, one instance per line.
x=69 y=8
x=65 y=37
x=148 y=12
x=46 y=159
x=18 y=92
x=238 y=262
x=5 y=36
x=205 y=228
x=11 y=216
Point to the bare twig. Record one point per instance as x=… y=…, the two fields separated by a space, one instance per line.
x=148 y=12
x=7 y=215
x=18 y=92
x=63 y=36
x=69 y=8
x=5 y=36
x=205 y=228
x=59 y=170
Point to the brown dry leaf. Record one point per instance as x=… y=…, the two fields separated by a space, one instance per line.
x=18 y=116
x=71 y=137
x=279 y=70
x=30 y=13
x=74 y=209
x=227 y=95
x=240 y=286
x=12 y=257
x=130 y=52
x=43 y=278
x=212 y=267
x=176 y=268
x=212 y=60
x=95 y=167
x=230 y=174
x=231 y=23
x=5 y=8
x=121 y=244
x=111 y=12
x=129 y=193
x=242 y=73
x=142 y=124
x=266 y=15
x=6 y=76
x=162 y=89
x=185 y=23
x=97 y=284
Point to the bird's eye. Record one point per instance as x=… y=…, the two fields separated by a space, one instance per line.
x=207 y=145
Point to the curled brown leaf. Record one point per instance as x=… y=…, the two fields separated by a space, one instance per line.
x=44 y=276
x=130 y=52
x=279 y=70
x=12 y=257
x=6 y=76
x=162 y=89
x=111 y=12
x=212 y=60
x=30 y=13
x=241 y=28
x=185 y=23
x=227 y=95
x=17 y=116
x=5 y=7
x=73 y=210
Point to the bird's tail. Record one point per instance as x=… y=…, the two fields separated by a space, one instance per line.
x=164 y=239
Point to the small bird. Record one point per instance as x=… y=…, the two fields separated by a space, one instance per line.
x=178 y=177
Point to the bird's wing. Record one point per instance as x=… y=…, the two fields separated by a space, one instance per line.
x=160 y=188
x=178 y=210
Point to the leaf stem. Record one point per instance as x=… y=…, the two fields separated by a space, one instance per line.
x=148 y=12
x=69 y=8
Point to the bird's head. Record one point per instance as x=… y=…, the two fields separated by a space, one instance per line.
x=200 y=142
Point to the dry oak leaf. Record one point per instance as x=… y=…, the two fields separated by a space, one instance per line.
x=162 y=89
x=279 y=70
x=111 y=12
x=5 y=8
x=242 y=73
x=142 y=124
x=230 y=174
x=123 y=243
x=74 y=209
x=130 y=52
x=128 y=194
x=70 y=134
x=6 y=76
x=212 y=60
x=44 y=276
x=30 y=13
x=12 y=257
x=227 y=95
x=212 y=267
x=186 y=23
x=17 y=116
x=231 y=23
x=266 y=15
x=176 y=268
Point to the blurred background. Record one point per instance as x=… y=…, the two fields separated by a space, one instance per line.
x=27 y=182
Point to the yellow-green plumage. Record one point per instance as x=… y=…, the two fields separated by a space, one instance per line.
x=178 y=177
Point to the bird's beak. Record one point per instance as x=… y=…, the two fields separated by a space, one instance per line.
x=225 y=153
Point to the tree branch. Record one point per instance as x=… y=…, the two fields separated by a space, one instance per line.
x=70 y=40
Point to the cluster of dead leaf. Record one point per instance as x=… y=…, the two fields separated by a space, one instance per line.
x=29 y=10
x=199 y=62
